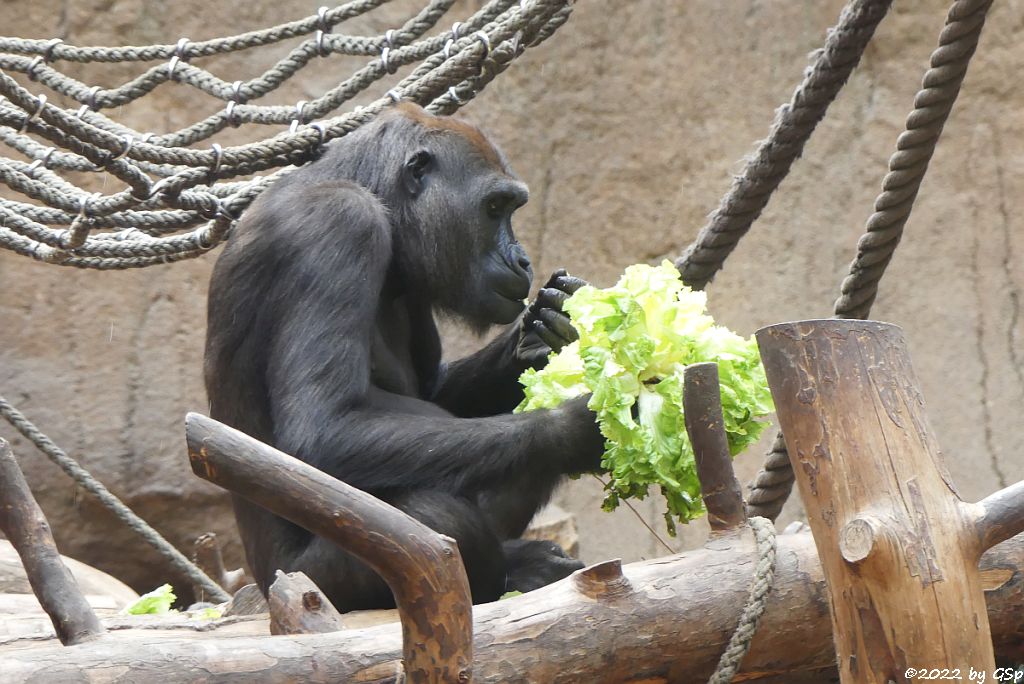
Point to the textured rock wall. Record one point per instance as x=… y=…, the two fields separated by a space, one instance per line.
x=627 y=126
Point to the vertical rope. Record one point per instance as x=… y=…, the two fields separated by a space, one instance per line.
x=764 y=576
x=907 y=167
x=794 y=122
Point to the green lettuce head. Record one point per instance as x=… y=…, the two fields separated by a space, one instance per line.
x=635 y=340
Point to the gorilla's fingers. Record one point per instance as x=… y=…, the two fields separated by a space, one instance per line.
x=560 y=273
x=550 y=298
x=569 y=284
x=560 y=325
x=548 y=337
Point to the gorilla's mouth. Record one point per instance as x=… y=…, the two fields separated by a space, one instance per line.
x=520 y=300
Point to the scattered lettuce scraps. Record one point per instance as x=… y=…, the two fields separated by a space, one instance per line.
x=155 y=602
x=635 y=340
x=208 y=613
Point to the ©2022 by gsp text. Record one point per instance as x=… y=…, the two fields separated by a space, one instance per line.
x=971 y=674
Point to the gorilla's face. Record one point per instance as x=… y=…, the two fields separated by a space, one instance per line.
x=463 y=200
x=507 y=273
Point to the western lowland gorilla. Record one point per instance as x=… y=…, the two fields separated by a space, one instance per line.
x=322 y=342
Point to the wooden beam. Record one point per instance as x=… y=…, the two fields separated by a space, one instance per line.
x=898 y=547
x=25 y=526
x=423 y=568
x=665 y=620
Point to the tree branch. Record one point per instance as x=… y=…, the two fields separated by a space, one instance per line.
x=423 y=568
x=1002 y=516
x=702 y=412
x=25 y=526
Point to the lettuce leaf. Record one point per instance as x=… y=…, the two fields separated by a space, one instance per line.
x=155 y=602
x=636 y=338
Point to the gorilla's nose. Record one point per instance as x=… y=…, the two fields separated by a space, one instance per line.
x=521 y=260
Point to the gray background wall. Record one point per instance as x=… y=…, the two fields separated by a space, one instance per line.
x=627 y=126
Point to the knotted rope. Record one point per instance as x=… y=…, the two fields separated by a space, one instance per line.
x=173 y=188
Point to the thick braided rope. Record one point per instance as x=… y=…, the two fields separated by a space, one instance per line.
x=57 y=50
x=764 y=577
x=794 y=122
x=914 y=149
x=402 y=50
x=103 y=146
x=237 y=95
x=773 y=483
x=907 y=167
x=82 y=477
x=456 y=66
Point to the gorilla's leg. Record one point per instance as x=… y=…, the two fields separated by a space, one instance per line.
x=532 y=564
x=351 y=585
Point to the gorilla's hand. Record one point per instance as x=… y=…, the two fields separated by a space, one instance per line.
x=532 y=564
x=544 y=327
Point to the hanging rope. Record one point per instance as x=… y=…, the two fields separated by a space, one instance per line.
x=174 y=188
x=907 y=167
x=764 y=577
x=90 y=484
x=794 y=122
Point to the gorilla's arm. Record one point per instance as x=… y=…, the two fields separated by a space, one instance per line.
x=486 y=383
x=326 y=411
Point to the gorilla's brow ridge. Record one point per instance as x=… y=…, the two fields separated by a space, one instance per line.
x=471 y=133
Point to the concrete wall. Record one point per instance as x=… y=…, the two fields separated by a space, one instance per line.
x=627 y=126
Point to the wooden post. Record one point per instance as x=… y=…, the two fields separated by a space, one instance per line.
x=297 y=606
x=25 y=526
x=898 y=547
x=702 y=413
x=206 y=554
x=423 y=568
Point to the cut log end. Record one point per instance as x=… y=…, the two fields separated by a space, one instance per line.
x=859 y=538
x=603 y=580
x=297 y=606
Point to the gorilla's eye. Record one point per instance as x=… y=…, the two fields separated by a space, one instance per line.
x=418 y=163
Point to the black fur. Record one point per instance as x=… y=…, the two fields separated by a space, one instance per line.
x=321 y=341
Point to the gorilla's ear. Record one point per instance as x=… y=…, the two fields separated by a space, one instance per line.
x=415 y=169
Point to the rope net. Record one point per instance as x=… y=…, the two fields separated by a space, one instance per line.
x=183 y=196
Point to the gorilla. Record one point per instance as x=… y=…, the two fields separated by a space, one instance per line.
x=322 y=342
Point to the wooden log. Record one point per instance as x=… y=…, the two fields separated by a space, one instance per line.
x=423 y=568
x=297 y=606
x=25 y=526
x=898 y=547
x=671 y=625
x=247 y=601
x=705 y=425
